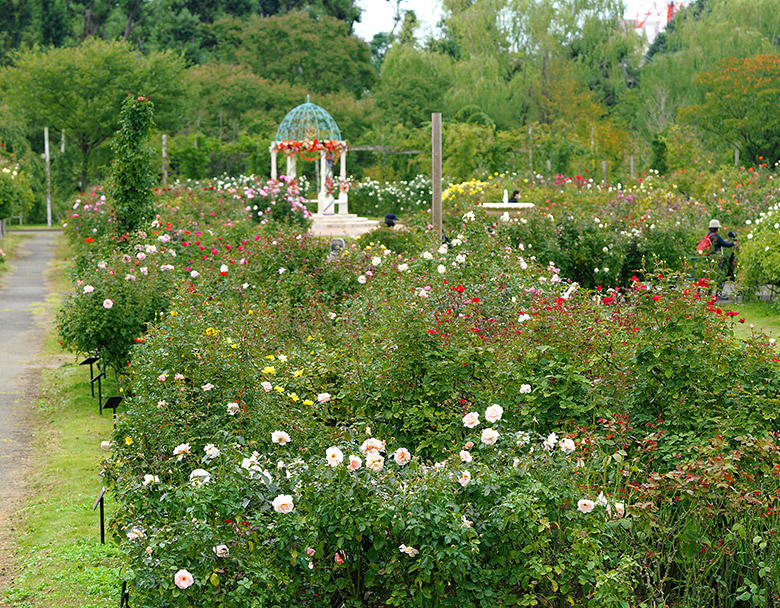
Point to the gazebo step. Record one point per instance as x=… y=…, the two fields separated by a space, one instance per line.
x=347 y=224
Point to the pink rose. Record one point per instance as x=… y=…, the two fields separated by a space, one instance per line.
x=183 y=579
x=402 y=456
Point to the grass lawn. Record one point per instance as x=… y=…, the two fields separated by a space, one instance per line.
x=760 y=317
x=59 y=555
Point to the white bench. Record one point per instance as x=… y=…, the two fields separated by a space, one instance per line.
x=513 y=209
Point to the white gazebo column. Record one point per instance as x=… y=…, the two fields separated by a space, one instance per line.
x=273 y=163
x=292 y=169
x=322 y=197
x=343 y=197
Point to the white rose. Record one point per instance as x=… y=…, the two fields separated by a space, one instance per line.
x=335 y=456
x=198 y=477
x=489 y=436
x=212 y=451
x=585 y=505
x=567 y=445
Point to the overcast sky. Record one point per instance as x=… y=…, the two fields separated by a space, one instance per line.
x=378 y=14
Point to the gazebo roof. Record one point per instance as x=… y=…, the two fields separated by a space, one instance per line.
x=308 y=121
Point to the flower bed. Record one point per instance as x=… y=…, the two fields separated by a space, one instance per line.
x=460 y=427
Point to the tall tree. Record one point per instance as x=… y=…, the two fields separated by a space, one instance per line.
x=740 y=106
x=80 y=89
x=318 y=54
x=699 y=37
x=413 y=85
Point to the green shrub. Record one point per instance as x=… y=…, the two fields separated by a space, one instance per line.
x=132 y=178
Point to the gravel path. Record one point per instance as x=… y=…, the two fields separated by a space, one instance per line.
x=23 y=293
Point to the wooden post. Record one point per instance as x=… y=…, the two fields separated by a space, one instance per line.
x=48 y=174
x=164 y=159
x=549 y=167
x=62 y=142
x=436 y=172
x=531 y=151
x=736 y=157
x=632 y=167
x=604 y=170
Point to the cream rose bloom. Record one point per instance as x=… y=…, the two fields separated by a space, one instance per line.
x=280 y=437
x=283 y=503
x=585 y=505
x=567 y=445
x=494 y=413
x=489 y=436
x=374 y=461
x=465 y=478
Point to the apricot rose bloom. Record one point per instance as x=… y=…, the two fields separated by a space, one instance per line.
x=355 y=462
x=471 y=420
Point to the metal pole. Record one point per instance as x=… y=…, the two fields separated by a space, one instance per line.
x=164 y=159
x=436 y=172
x=102 y=523
x=48 y=174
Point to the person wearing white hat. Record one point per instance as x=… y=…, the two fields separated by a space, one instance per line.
x=718 y=242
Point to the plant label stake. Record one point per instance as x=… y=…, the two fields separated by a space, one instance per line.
x=124 y=596
x=100 y=391
x=99 y=501
x=89 y=361
x=111 y=404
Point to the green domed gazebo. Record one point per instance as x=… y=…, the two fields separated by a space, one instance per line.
x=310 y=132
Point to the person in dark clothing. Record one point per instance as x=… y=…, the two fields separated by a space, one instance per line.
x=513 y=198
x=391 y=219
x=725 y=264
